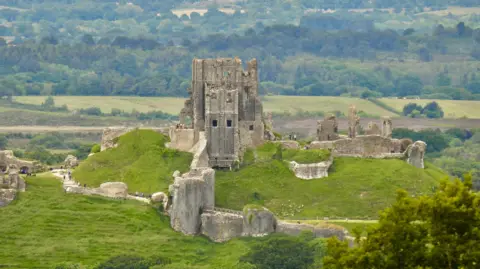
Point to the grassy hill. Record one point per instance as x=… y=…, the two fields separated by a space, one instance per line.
x=46 y=226
x=141 y=160
x=174 y=105
x=355 y=188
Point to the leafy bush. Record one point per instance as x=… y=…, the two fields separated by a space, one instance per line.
x=95 y=149
x=431 y=110
x=281 y=252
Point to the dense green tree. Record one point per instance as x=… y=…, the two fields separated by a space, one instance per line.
x=432 y=110
x=281 y=252
x=438 y=231
x=3 y=142
x=409 y=108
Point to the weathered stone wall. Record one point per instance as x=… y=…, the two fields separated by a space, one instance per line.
x=200 y=154
x=191 y=194
x=10 y=184
x=323 y=232
x=415 y=153
x=181 y=139
x=361 y=146
x=373 y=129
x=327 y=129
x=221 y=226
x=258 y=222
x=312 y=170
x=7 y=160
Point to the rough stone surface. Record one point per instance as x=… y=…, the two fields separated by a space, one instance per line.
x=7 y=196
x=224 y=104
x=191 y=194
x=324 y=232
x=312 y=170
x=373 y=129
x=353 y=121
x=327 y=130
x=181 y=139
x=114 y=189
x=10 y=184
x=415 y=153
x=361 y=146
x=288 y=144
x=258 y=222
x=221 y=226
x=158 y=197
x=71 y=161
x=200 y=154
x=7 y=160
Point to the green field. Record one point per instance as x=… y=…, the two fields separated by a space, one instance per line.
x=174 y=105
x=141 y=160
x=451 y=108
x=45 y=227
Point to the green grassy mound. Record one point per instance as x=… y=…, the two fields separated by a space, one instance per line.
x=267 y=151
x=355 y=188
x=141 y=160
x=46 y=226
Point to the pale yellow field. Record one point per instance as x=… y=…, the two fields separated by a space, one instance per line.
x=170 y=105
x=173 y=105
x=451 y=108
x=321 y=103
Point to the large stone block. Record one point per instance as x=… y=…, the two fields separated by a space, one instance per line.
x=415 y=153
x=7 y=196
x=258 y=221
x=114 y=189
x=295 y=229
x=221 y=226
x=71 y=161
x=312 y=170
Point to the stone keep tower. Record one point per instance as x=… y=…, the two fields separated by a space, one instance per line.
x=224 y=104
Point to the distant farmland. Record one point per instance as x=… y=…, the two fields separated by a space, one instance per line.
x=172 y=105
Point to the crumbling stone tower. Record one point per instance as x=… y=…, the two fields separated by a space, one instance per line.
x=224 y=104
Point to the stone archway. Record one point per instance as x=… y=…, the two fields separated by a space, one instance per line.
x=3 y=167
x=24 y=170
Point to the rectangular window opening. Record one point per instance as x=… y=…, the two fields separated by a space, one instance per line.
x=214 y=123
x=229 y=123
x=250 y=127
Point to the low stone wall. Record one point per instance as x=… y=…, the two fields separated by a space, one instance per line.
x=288 y=144
x=324 y=232
x=200 y=156
x=118 y=190
x=221 y=226
x=311 y=171
x=361 y=146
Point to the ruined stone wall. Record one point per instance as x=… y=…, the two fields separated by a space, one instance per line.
x=224 y=103
x=295 y=229
x=181 y=139
x=200 y=154
x=7 y=160
x=190 y=195
x=312 y=170
x=361 y=146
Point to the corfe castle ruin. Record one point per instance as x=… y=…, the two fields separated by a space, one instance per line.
x=221 y=120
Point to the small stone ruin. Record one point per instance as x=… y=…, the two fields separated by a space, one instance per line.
x=327 y=130
x=10 y=184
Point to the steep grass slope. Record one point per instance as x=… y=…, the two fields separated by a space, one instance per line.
x=141 y=160
x=355 y=188
x=46 y=226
